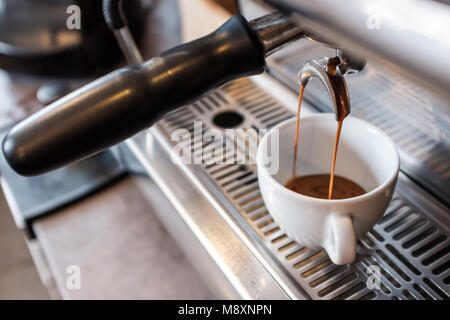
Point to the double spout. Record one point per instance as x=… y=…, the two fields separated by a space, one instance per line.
x=330 y=72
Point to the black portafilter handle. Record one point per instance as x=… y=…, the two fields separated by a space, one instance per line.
x=124 y=102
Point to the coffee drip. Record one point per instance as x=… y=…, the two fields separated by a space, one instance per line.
x=327 y=70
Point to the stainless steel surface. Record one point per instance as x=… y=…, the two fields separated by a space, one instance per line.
x=222 y=211
x=350 y=63
x=415 y=118
x=409 y=36
x=275 y=30
x=30 y=198
x=121 y=247
x=327 y=71
x=212 y=239
x=128 y=46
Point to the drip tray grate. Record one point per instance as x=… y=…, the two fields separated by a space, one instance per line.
x=410 y=244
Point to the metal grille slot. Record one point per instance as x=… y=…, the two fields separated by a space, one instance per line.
x=411 y=250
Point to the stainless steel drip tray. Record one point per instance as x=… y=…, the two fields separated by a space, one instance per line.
x=229 y=235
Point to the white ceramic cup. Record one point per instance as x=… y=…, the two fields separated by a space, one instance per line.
x=366 y=156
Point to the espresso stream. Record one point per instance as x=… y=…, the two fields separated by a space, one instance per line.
x=323 y=186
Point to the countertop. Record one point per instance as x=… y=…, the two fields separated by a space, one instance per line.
x=120 y=247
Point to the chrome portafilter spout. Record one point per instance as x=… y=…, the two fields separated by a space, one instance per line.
x=275 y=31
x=330 y=72
x=350 y=63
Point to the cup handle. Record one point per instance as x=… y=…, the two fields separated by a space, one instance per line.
x=340 y=242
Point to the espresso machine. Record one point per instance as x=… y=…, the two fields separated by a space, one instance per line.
x=396 y=76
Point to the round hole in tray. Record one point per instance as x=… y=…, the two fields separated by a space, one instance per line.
x=228 y=119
